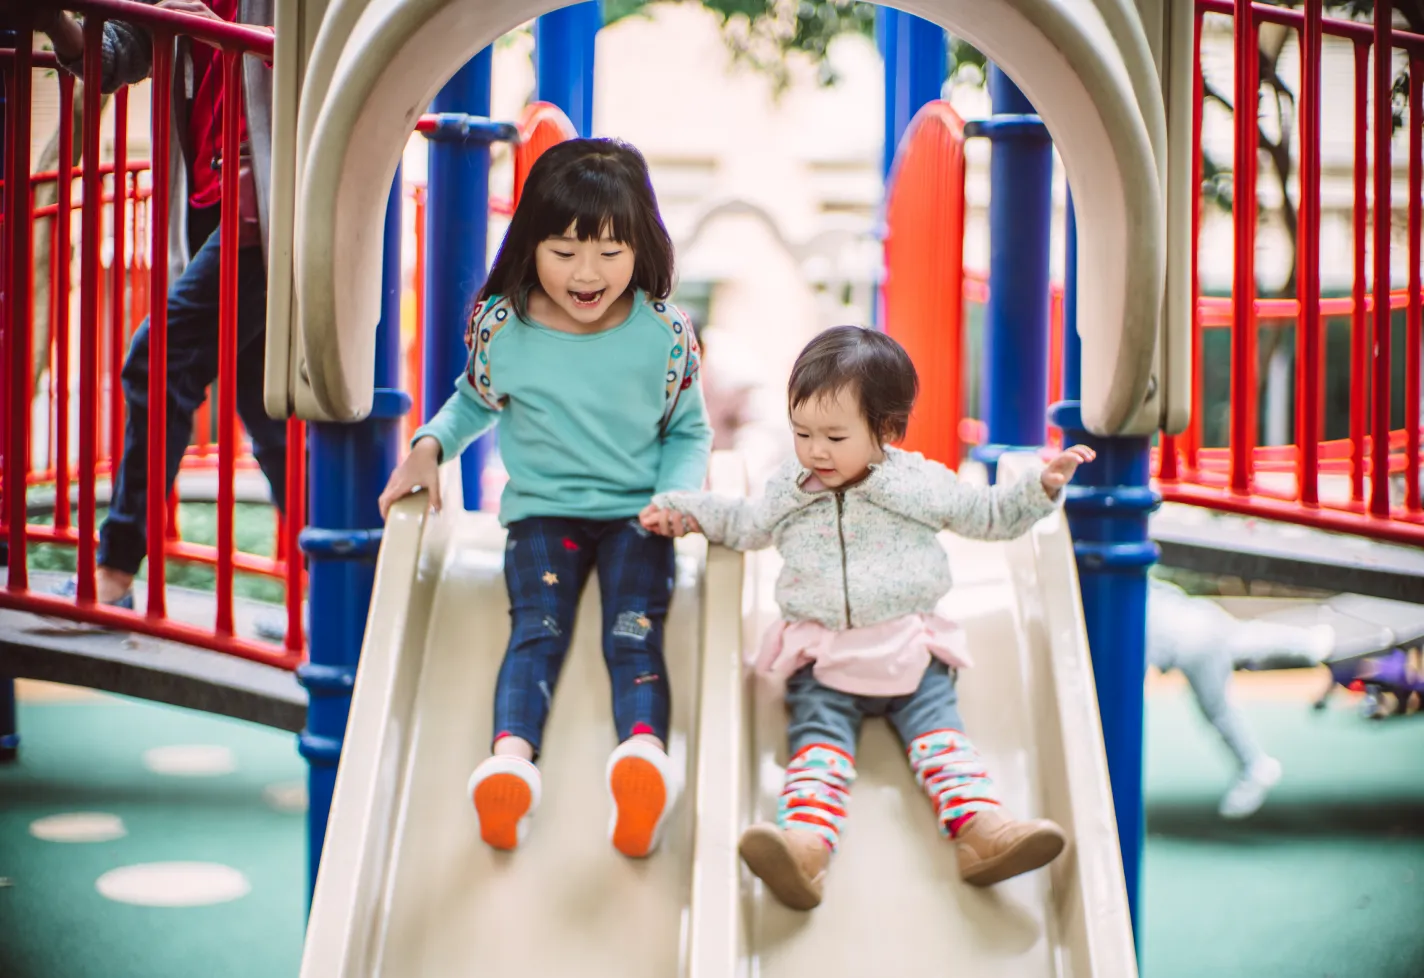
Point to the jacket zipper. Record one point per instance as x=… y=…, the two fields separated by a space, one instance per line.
x=845 y=574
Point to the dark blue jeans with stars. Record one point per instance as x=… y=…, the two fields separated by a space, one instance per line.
x=547 y=561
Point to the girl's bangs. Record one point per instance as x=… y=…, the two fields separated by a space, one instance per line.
x=594 y=207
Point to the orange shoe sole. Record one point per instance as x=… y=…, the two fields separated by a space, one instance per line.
x=501 y=800
x=639 y=796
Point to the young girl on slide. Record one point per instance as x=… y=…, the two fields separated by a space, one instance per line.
x=591 y=376
x=856 y=523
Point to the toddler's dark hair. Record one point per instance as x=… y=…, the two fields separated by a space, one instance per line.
x=866 y=362
x=595 y=186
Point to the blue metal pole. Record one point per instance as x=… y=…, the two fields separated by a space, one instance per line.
x=1020 y=225
x=456 y=238
x=349 y=466
x=9 y=725
x=1108 y=505
x=1072 y=345
x=915 y=54
x=563 y=60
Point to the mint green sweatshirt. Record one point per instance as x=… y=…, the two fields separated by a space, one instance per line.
x=581 y=416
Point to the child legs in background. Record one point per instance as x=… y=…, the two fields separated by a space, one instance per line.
x=1209 y=673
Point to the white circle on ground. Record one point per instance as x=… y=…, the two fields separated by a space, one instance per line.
x=288 y=796
x=190 y=760
x=79 y=827
x=173 y=884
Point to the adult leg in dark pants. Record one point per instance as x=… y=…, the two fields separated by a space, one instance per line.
x=193 y=345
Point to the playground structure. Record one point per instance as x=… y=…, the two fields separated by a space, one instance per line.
x=1113 y=90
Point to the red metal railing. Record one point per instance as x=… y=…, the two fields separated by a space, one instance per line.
x=104 y=324
x=1227 y=478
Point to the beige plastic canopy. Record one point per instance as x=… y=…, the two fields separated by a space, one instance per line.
x=407 y=888
x=1090 y=67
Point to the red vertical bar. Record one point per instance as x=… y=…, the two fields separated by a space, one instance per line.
x=17 y=223
x=137 y=301
x=1383 y=172
x=116 y=288
x=51 y=443
x=203 y=426
x=1055 y=346
x=175 y=532
x=227 y=335
x=1412 y=343
x=59 y=287
x=1194 y=433
x=1193 y=437
x=294 y=518
x=157 y=500
x=1359 y=338
x=92 y=201
x=6 y=73
x=1307 y=331
x=1243 y=325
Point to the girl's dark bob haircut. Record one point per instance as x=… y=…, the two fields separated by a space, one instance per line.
x=866 y=362
x=597 y=187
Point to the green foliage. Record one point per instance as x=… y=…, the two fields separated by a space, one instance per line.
x=762 y=33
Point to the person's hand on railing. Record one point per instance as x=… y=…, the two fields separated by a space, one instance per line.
x=1059 y=472
x=420 y=470
x=195 y=7
x=64 y=33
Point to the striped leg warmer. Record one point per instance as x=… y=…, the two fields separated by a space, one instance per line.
x=817 y=788
x=952 y=773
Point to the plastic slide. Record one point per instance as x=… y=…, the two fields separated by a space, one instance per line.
x=407 y=888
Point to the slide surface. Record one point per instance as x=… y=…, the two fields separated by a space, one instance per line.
x=407 y=888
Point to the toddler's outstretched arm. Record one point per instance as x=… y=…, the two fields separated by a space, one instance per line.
x=927 y=491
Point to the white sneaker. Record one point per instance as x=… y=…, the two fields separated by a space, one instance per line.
x=505 y=792
x=1248 y=793
x=645 y=788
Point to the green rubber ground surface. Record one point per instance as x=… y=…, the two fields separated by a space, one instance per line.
x=1328 y=880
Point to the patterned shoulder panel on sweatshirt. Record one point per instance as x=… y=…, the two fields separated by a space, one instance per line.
x=684 y=357
x=487 y=319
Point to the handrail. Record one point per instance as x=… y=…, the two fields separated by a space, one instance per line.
x=113 y=230
x=254 y=40
x=1353 y=30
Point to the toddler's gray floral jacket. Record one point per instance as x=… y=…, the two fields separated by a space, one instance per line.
x=868 y=553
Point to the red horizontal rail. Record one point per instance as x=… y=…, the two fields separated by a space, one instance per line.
x=1353 y=30
x=38 y=59
x=162 y=628
x=1400 y=527
x=253 y=40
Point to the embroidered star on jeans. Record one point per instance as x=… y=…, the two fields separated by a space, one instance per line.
x=550 y=578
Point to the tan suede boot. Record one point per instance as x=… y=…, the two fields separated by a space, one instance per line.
x=791 y=863
x=993 y=846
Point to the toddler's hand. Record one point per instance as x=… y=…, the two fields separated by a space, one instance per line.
x=667 y=522
x=420 y=470
x=1060 y=471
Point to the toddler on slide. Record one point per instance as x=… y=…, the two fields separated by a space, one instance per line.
x=856 y=522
